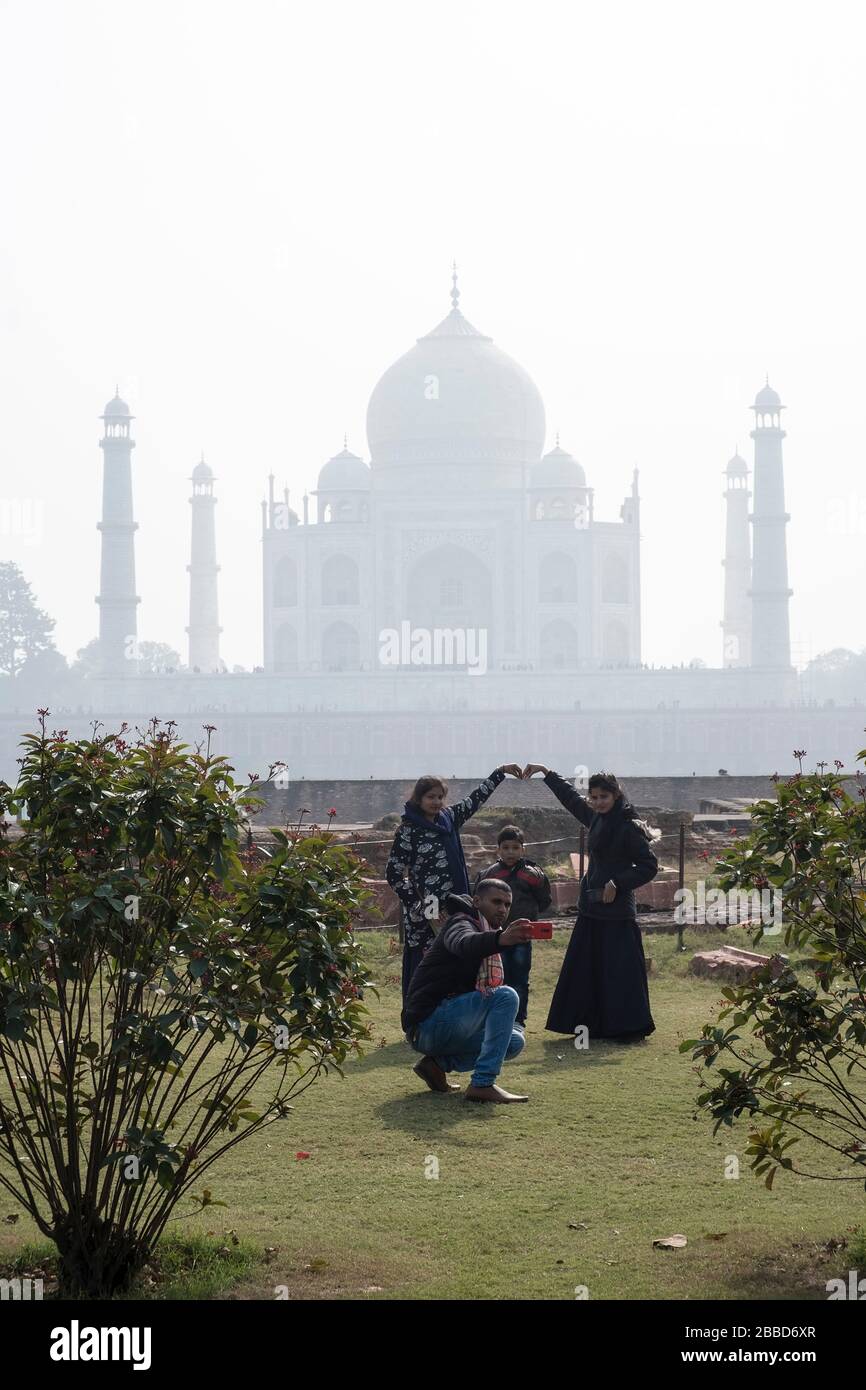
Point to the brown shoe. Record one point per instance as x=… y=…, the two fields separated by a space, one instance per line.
x=430 y=1071
x=494 y=1093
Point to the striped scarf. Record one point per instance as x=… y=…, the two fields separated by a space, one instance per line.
x=491 y=973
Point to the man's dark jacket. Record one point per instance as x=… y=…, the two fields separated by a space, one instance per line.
x=450 y=963
x=529 y=884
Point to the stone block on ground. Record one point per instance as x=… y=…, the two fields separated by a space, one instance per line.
x=658 y=894
x=732 y=963
x=564 y=892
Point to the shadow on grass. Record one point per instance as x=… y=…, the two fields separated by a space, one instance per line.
x=558 y=1052
x=424 y=1111
x=395 y=1054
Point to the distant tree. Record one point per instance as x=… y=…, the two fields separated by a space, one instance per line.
x=155 y=657
x=837 y=659
x=47 y=670
x=25 y=630
x=87 y=659
x=838 y=674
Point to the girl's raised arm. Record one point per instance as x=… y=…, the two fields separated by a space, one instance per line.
x=462 y=810
x=564 y=792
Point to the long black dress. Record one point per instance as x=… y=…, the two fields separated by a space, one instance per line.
x=602 y=985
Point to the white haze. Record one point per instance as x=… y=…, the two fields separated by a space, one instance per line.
x=243 y=213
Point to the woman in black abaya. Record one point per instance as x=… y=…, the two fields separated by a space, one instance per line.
x=602 y=985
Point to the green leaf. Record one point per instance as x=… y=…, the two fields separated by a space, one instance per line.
x=165 y=1175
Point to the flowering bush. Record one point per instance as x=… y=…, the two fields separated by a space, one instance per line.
x=163 y=995
x=793 y=1054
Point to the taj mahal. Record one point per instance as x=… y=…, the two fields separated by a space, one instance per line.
x=462 y=549
x=459 y=522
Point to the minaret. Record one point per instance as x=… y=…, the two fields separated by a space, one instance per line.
x=204 y=629
x=737 y=621
x=771 y=641
x=117 y=599
x=630 y=514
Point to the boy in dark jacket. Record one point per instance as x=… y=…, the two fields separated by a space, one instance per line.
x=459 y=1013
x=530 y=896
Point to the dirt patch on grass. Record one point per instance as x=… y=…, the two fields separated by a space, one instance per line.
x=317 y=1275
x=796 y=1270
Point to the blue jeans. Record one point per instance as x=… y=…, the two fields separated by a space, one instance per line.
x=472 y=1032
x=517 y=963
x=412 y=956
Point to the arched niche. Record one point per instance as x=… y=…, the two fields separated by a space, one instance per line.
x=557 y=579
x=340 y=582
x=341 y=648
x=285 y=591
x=558 y=646
x=615 y=579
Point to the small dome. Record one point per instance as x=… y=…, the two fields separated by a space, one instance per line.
x=558 y=469
x=767 y=400
x=737 y=465
x=202 y=473
x=345 y=472
x=116 y=407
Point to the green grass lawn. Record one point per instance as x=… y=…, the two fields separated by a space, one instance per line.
x=531 y=1201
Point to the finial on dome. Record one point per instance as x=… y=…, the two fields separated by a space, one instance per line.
x=345 y=440
x=201 y=460
x=455 y=293
x=557 y=439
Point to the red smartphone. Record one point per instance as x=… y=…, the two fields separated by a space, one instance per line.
x=541 y=931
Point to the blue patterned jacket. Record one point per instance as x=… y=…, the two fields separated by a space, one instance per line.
x=418 y=869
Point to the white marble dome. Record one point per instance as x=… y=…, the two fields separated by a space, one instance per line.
x=768 y=400
x=116 y=406
x=345 y=471
x=455 y=397
x=558 y=468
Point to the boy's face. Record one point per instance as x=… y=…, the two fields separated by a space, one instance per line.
x=510 y=851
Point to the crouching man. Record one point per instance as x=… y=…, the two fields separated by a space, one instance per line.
x=458 y=1012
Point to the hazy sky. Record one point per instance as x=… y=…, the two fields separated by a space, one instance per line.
x=244 y=212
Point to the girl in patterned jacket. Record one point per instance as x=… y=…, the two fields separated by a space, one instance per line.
x=426 y=862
